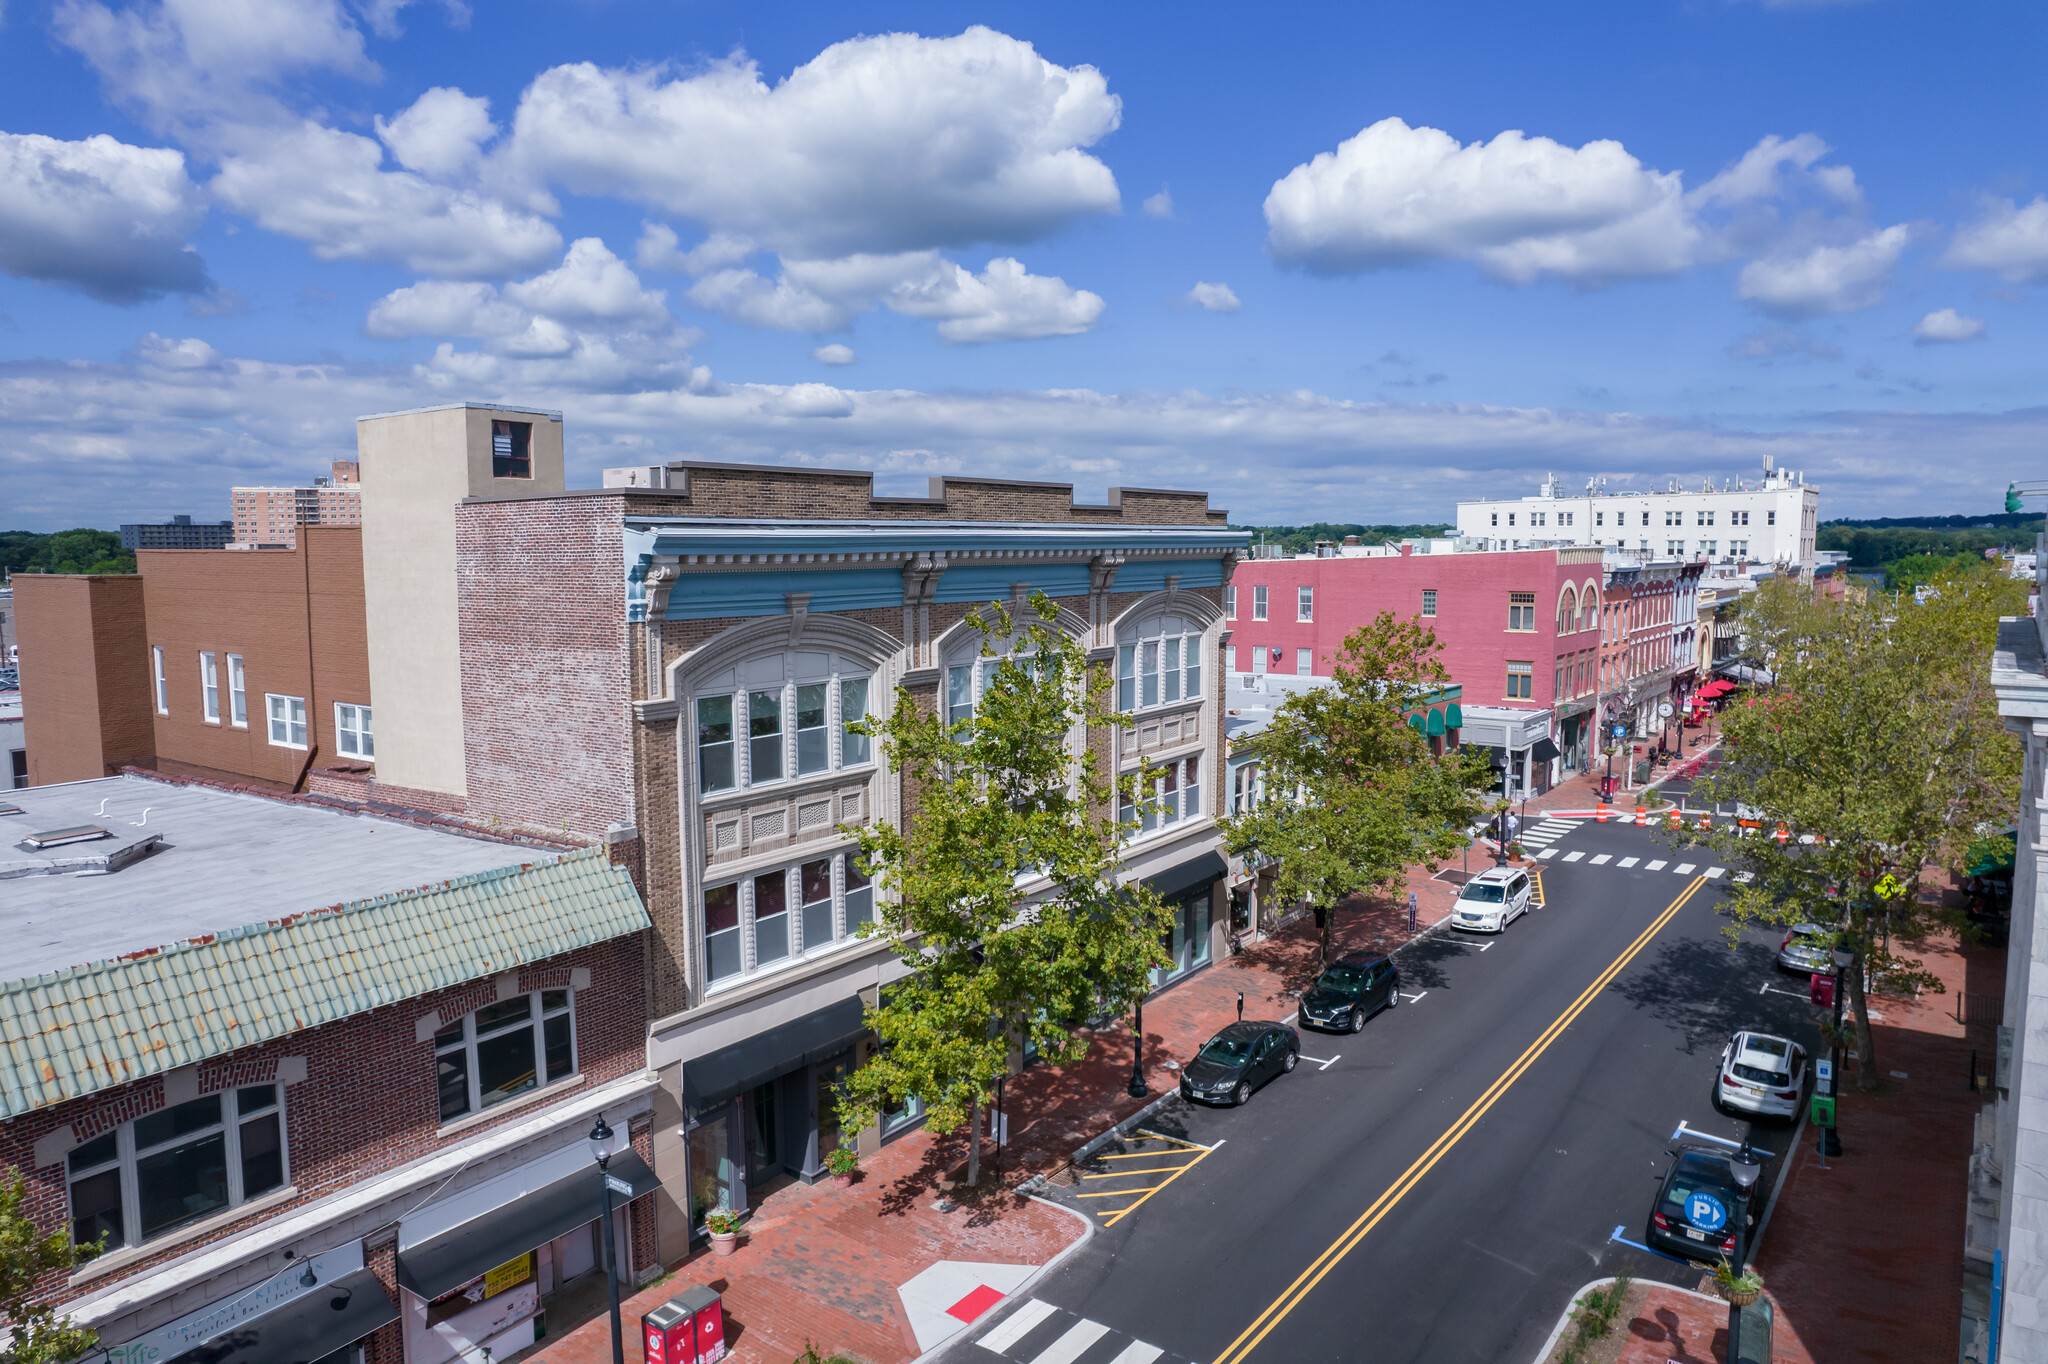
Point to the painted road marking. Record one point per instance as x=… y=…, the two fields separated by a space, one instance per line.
x=1713 y=872
x=1017 y=1326
x=1603 y=859
x=1486 y=947
x=1658 y=865
x=1196 y=1150
x=1745 y=877
x=1683 y=869
x=1573 y=856
x=1414 y=997
x=1325 y=1065
x=1248 y=1340
x=1068 y=1347
x=1138 y=1352
x=1548 y=852
x=1628 y=861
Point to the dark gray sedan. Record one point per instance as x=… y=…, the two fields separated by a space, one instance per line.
x=1238 y=1060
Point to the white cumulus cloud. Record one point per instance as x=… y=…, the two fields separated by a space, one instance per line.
x=441 y=134
x=834 y=354
x=2007 y=239
x=1159 y=205
x=1946 y=325
x=1005 y=302
x=100 y=216
x=1216 y=298
x=1825 y=279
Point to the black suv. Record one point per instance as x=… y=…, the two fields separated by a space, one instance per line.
x=1694 y=1215
x=1352 y=990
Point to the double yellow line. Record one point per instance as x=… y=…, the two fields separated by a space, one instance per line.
x=1305 y=1283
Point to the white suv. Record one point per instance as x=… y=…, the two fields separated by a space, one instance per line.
x=1491 y=900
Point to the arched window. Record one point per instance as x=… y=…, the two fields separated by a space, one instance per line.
x=1567 y=612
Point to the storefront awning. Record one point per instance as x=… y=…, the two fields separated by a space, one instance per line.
x=1454 y=716
x=1436 y=724
x=450 y=1260
x=311 y=1326
x=1416 y=719
x=735 y=1069
x=1544 y=751
x=1185 y=877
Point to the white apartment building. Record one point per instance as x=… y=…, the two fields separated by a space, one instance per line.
x=1768 y=522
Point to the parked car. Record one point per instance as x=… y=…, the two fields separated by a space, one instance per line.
x=1689 y=1228
x=1352 y=990
x=1238 y=1060
x=1806 y=949
x=1761 y=1074
x=1492 y=900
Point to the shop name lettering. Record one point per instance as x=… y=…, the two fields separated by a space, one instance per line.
x=177 y=1339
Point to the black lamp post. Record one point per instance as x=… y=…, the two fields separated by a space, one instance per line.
x=1136 y=1089
x=1831 y=1141
x=603 y=1141
x=1745 y=1169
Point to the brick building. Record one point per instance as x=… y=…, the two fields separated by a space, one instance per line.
x=270 y=517
x=323 y=1082
x=251 y=668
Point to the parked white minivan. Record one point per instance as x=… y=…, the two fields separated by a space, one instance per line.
x=1491 y=900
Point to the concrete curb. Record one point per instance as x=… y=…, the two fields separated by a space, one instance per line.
x=1122 y=1125
x=1756 y=1244
x=1022 y=1290
x=1564 y=1318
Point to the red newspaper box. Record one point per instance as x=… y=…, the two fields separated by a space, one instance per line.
x=707 y=1315
x=669 y=1334
x=1821 y=990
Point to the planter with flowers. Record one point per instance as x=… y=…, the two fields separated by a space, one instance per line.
x=844 y=1163
x=724 y=1226
x=1739 y=1289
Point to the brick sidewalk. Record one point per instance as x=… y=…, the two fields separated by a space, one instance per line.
x=822 y=1264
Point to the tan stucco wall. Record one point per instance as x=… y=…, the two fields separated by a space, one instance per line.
x=415 y=467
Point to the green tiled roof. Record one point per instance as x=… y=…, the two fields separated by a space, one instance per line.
x=88 y=1028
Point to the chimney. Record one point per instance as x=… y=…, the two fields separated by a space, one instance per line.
x=347 y=471
x=1406 y=549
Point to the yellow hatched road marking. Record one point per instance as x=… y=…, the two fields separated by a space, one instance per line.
x=1305 y=1282
x=1149 y=1170
x=1111 y=1219
x=1139 y=1155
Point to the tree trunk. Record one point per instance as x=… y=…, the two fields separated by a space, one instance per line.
x=1866 y=1050
x=974 y=1143
x=1326 y=920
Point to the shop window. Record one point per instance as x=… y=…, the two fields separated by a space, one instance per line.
x=287 y=720
x=504 y=1050
x=159 y=1172
x=353 y=738
x=511 y=449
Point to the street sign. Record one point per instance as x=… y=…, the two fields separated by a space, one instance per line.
x=1823 y=1111
x=618 y=1186
x=1664 y=709
x=1621 y=731
x=1824 y=1076
x=1888 y=887
x=1705 y=1211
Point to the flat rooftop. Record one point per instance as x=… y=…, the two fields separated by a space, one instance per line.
x=223 y=860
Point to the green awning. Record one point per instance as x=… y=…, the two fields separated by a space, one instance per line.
x=1454 y=718
x=1436 y=724
x=1419 y=722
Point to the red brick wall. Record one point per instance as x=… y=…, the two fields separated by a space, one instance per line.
x=84 y=674
x=545 y=692
x=369 y=1101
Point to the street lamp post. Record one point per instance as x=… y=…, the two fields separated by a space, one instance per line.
x=603 y=1141
x=1136 y=1089
x=1745 y=1168
x=1830 y=1138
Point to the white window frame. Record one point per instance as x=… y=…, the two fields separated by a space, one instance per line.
x=353 y=724
x=851 y=906
x=238 y=693
x=209 y=688
x=127 y=1158
x=1159 y=670
x=1304 y=604
x=1304 y=662
x=1171 y=795
x=1429 y=602
x=843 y=751
x=1230 y=602
x=1259 y=602
x=156 y=669
x=287 y=722
x=466 y=1040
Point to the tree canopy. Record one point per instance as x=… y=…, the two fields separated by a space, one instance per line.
x=1354 y=796
x=1879 y=736
x=34 y=1333
x=65 y=551
x=999 y=958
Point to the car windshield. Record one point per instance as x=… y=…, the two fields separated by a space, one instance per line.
x=1756 y=1075
x=1769 y=1046
x=1484 y=893
x=1343 y=980
x=1226 y=1051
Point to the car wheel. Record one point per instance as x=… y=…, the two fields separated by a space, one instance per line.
x=1394 y=996
x=1242 y=1095
x=1357 y=1019
x=1293 y=1060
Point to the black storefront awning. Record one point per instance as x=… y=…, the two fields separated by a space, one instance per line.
x=1544 y=751
x=1197 y=871
x=448 y=1261
x=759 y=1059
x=309 y=1327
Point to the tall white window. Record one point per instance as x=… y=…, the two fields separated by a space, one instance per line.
x=1230 y=602
x=853 y=705
x=504 y=1050
x=209 y=688
x=1305 y=603
x=352 y=737
x=287 y=720
x=1258 y=603
x=959 y=693
x=716 y=770
x=179 y=1163
x=1258 y=660
x=813 y=734
x=762 y=921
x=1305 y=662
x=238 y=693
x=1739 y=548
x=1160 y=670
x=1172 y=793
x=764 y=736
x=156 y=671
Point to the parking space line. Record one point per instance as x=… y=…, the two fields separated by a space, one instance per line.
x=1415 y=997
x=1177 y=1141
x=1322 y=1064
x=1149 y=1170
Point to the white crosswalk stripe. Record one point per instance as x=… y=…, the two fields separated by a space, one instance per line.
x=1573 y=856
x=1713 y=872
x=1628 y=862
x=1602 y=859
x=1547 y=832
x=1683 y=869
x=1017 y=1326
x=1040 y=1333
x=1068 y=1347
x=1658 y=865
x=1548 y=852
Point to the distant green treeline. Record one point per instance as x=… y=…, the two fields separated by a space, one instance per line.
x=1294 y=539
x=64 y=551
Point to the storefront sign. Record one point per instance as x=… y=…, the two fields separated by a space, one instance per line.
x=507 y=1275
x=217 y=1319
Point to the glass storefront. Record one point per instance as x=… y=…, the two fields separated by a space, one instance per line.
x=716 y=1180
x=1186 y=939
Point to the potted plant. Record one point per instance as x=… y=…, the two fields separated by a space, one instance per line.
x=724 y=1226
x=844 y=1163
x=1739 y=1289
x=1516 y=852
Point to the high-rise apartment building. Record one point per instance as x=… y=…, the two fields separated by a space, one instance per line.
x=270 y=517
x=180 y=532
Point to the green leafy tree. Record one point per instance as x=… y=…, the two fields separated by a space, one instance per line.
x=1879 y=736
x=996 y=801
x=66 y=551
x=1354 y=796
x=32 y=1332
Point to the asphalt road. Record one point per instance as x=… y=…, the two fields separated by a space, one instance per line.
x=1485 y=1225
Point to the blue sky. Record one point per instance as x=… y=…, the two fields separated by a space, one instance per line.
x=1347 y=262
